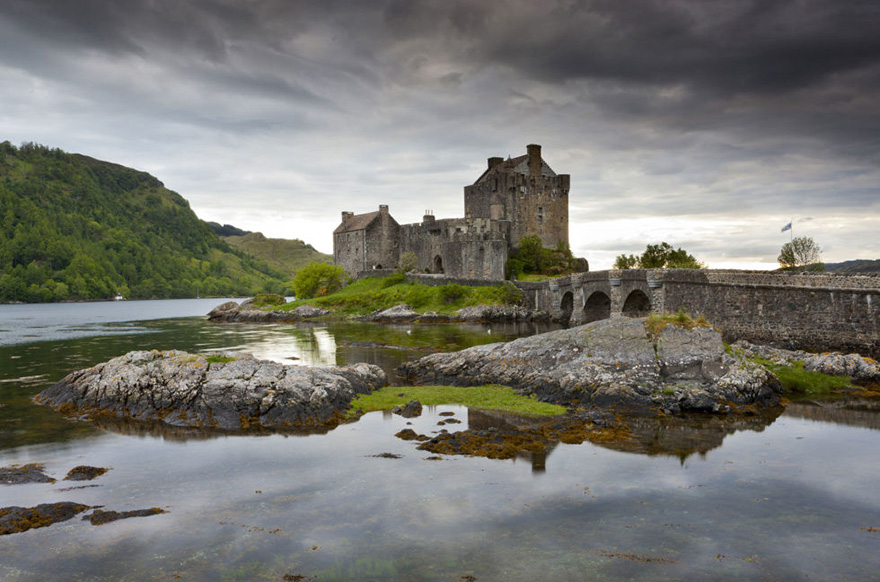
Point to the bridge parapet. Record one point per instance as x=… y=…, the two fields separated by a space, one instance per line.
x=797 y=310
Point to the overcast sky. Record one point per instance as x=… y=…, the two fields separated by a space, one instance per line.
x=708 y=124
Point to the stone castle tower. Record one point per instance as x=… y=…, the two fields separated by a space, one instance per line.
x=512 y=199
x=525 y=192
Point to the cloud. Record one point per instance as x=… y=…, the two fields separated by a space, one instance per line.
x=700 y=114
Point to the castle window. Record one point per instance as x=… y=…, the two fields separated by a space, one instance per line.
x=540 y=214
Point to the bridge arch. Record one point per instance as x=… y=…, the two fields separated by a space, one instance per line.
x=566 y=306
x=597 y=306
x=637 y=304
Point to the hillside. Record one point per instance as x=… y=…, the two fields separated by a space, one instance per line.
x=854 y=267
x=282 y=254
x=76 y=228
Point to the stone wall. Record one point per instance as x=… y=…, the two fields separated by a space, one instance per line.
x=811 y=312
x=808 y=311
x=532 y=204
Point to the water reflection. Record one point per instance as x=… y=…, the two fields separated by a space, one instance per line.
x=792 y=497
x=862 y=412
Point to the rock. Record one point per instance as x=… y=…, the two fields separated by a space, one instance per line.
x=231 y=391
x=393 y=314
x=494 y=313
x=19 y=519
x=610 y=363
x=411 y=409
x=85 y=473
x=100 y=517
x=252 y=313
x=30 y=473
x=857 y=367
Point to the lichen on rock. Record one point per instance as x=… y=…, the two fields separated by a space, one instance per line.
x=234 y=392
x=611 y=363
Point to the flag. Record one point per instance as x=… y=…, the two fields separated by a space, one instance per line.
x=786 y=227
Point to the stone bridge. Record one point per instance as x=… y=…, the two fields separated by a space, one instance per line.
x=811 y=311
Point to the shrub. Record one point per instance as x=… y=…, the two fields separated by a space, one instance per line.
x=451 y=293
x=264 y=299
x=318 y=280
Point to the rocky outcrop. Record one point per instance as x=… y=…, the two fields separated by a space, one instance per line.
x=611 y=363
x=231 y=391
x=857 y=367
x=492 y=313
x=247 y=312
x=18 y=519
x=398 y=313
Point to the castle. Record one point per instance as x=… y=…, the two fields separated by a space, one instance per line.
x=512 y=199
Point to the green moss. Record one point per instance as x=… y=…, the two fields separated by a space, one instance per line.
x=218 y=359
x=801 y=381
x=489 y=397
x=374 y=293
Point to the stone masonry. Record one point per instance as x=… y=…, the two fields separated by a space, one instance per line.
x=512 y=199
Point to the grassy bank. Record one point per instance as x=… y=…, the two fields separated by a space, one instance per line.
x=800 y=381
x=499 y=398
x=374 y=293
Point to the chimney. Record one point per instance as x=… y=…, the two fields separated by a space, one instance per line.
x=494 y=162
x=535 y=163
x=383 y=208
x=346 y=216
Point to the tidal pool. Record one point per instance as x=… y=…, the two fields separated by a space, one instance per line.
x=787 y=498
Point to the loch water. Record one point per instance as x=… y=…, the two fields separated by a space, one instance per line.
x=793 y=497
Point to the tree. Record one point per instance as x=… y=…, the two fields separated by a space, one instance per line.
x=802 y=253
x=661 y=256
x=317 y=280
x=626 y=262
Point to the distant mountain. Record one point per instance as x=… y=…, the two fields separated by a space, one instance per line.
x=226 y=229
x=76 y=228
x=854 y=266
x=282 y=254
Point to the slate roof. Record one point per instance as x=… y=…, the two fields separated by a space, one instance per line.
x=518 y=165
x=357 y=222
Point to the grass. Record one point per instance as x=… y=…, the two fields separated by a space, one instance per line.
x=375 y=293
x=657 y=322
x=801 y=381
x=489 y=397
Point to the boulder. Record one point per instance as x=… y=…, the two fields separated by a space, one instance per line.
x=394 y=314
x=857 y=367
x=611 y=363
x=494 y=313
x=249 y=312
x=229 y=391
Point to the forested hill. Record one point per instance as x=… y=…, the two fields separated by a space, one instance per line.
x=76 y=228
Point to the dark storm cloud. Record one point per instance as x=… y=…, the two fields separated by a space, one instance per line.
x=659 y=109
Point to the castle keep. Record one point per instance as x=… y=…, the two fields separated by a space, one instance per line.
x=512 y=199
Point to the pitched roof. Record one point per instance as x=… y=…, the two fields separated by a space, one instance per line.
x=518 y=165
x=357 y=222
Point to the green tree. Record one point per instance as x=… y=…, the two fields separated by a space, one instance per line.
x=407 y=263
x=661 y=256
x=626 y=262
x=802 y=253
x=317 y=280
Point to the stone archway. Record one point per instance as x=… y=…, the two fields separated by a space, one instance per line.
x=438 y=264
x=597 y=306
x=566 y=306
x=637 y=304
